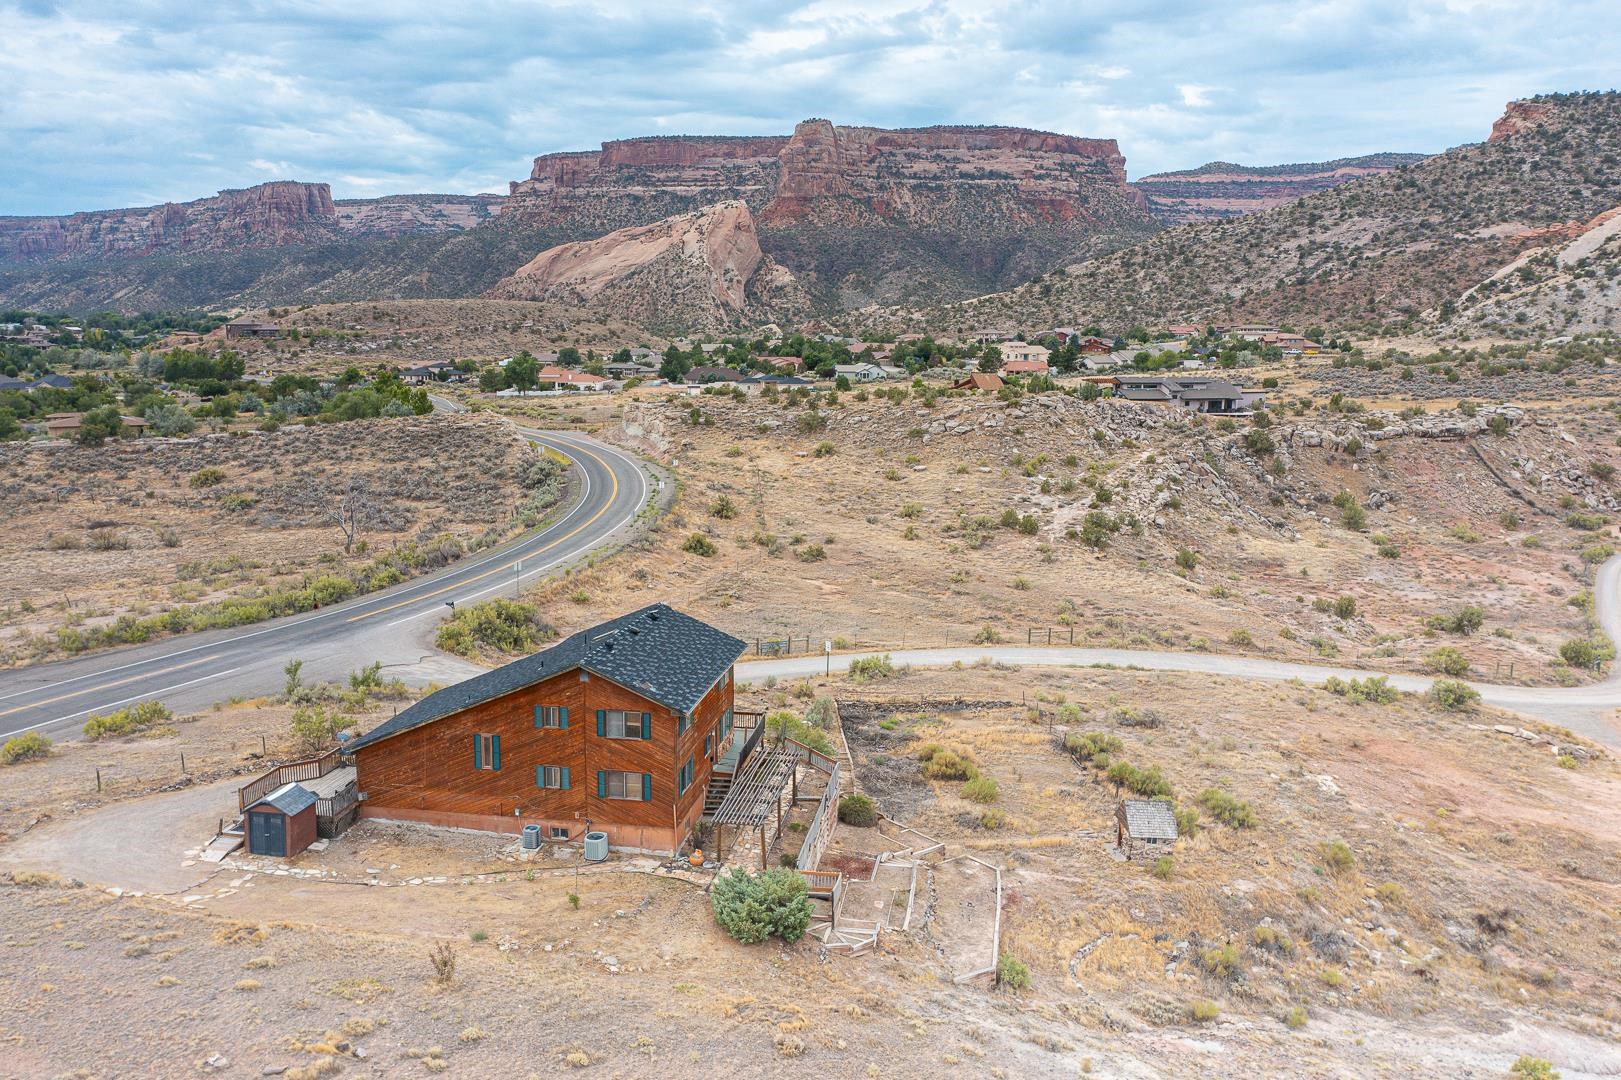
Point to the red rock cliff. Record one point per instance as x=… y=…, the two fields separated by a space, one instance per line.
x=1518 y=116
x=280 y=212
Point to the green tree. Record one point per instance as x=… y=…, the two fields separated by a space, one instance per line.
x=99 y=425
x=752 y=907
x=568 y=356
x=521 y=371
x=9 y=427
x=990 y=360
x=492 y=379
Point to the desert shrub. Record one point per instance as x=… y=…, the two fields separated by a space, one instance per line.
x=1295 y=1018
x=1271 y=940
x=207 y=477
x=858 y=810
x=1164 y=868
x=500 y=625
x=25 y=747
x=1241 y=638
x=1131 y=716
x=1585 y=653
x=1226 y=809
x=1336 y=856
x=1258 y=442
x=443 y=958
x=1586 y=522
x=824 y=449
x=700 y=545
x=107 y=539
x=1187 y=559
x=871 y=667
x=783 y=724
x=1220 y=961
x=753 y=907
x=949 y=765
x=1204 y=1011
x=1447 y=661
x=981 y=789
x=1465 y=620
x=1355 y=518
x=315 y=726
x=1094 y=747
x=142 y=716
x=724 y=508
x=1375 y=689
x=812 y=553
x=1012 y=973
x=1150 y=783
x=1452 y=695
x=1343 y=607
x=1526 y=1067
x=821 y=712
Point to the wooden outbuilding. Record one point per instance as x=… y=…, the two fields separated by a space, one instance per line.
x=281 y=824
x=1144 y=827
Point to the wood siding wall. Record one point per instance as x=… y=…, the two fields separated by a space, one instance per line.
x=428 y=774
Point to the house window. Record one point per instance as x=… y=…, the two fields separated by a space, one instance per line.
x=551 y=716
x=709 y=746
x=725 y=679
x=684 y=776
x=487 y=753
x=682 y=722
x=619 y=724
x=559 y=832
x=634 y=787
x=551 y=776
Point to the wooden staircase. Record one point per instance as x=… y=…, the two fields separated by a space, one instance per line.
x=719 y=784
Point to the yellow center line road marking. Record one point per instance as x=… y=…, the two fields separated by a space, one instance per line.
x=103 y=686
x=613 y=496
x=114 y=704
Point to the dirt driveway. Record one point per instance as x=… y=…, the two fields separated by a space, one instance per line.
x=138 y=845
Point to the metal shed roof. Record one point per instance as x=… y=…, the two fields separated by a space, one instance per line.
x=289 y=799
x=1149 y=819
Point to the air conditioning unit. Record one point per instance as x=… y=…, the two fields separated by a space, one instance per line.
x=596 y=847
x=531 y=837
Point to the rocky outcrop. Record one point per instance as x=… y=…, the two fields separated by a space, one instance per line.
x=1221 y=189
x=692 y=270
x=403 y=215
x=1518 y=116
x=267 y=215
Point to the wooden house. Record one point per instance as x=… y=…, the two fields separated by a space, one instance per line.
x=618 y=728
x=1144 y=827
x=281 y=824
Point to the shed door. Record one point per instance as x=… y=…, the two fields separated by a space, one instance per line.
x=267 y=834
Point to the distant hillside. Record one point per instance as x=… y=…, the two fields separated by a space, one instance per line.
x=1374 y=252
x=1221 y=189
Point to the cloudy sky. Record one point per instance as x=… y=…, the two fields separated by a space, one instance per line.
x=107 y=103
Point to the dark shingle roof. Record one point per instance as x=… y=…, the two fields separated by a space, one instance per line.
x=1154 y=393
x=1216 y=391
x=1150 y=820
x=60 y=382
x=657 y=652
x=289 y=799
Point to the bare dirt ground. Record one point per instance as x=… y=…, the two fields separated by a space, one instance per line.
x=136 y=528
x=898 y=524
x=1473 y=922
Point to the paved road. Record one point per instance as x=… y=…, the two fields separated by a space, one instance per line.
x=394 y=626
x=1587 y=710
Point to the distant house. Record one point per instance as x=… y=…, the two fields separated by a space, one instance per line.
x=1144 y=827
x=564 y=377
x=1018 y=351
x=859 y=373
x=979 y=380
x=53 y=381
x=250 y=328
x=1095 y=346
x=781 y=382
x=1025 y=367
x=623 y=728
x=67 y=425
x=1182 y=330
x=699 y=376
x=785 y=363
x=630 y=370
x=1205 y=394
x=9 y=383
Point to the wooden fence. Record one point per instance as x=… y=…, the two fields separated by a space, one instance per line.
x=335 y=813
x=820 y=831
x=309 y=769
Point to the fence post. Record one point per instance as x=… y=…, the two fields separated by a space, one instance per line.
x=182 y=763
x=1072 y=633
x=98 y=779
x=264 y=748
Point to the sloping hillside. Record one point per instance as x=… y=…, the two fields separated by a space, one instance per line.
x=1370 y=254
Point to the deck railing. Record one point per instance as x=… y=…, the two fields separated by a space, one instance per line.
x=750 y=740
x=819 y=833
x=308 y=769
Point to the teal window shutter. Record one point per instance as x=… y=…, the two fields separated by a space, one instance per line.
x=540 y=776
x=602 y=783
x=647 y=725
x=540 y=712
x=602 y=722
x=565 y=778
x=478 y=751
x=647 y=787
x=564 y=724
x=495 y=752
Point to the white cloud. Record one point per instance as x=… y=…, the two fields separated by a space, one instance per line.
x=108 y=104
